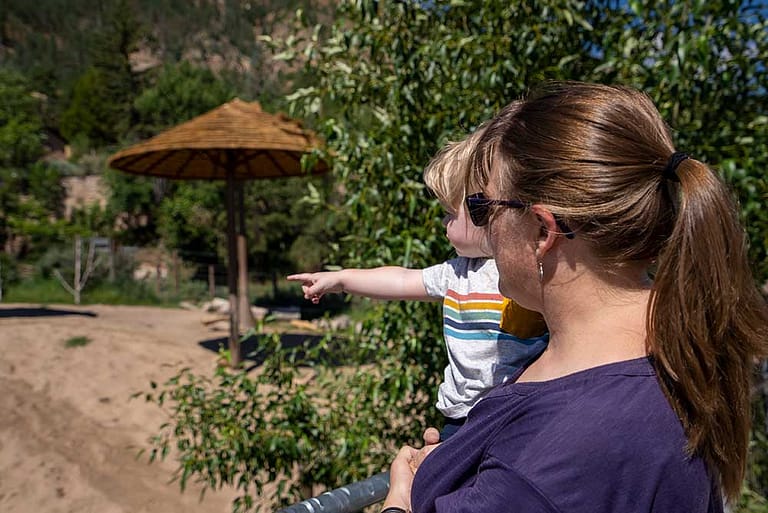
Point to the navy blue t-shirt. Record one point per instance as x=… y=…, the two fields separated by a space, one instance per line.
x=597 y=441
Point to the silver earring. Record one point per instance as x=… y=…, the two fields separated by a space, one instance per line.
x=541 y=271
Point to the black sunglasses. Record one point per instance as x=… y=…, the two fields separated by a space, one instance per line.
x=479 y=209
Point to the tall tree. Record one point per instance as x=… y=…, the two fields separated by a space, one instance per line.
x=283 y=233
x=179 y=93
x=29 y=192
x=21 y=127
x=101 y=107
x=705 y=64
x=133 y=203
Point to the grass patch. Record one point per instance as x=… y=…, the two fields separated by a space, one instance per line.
x=36 y=290
x=121 y=292
x=77 y=341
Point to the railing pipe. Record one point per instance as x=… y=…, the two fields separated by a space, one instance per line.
x=350 y=498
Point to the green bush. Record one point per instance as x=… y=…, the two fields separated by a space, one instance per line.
x=278 y=426
x=9 y=270
x=79 y=341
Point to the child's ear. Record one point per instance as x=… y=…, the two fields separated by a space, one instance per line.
x=548 y=230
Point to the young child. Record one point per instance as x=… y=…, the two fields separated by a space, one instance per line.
x=480 y=353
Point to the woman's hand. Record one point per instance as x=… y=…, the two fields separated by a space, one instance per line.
x=431 y=438
x=401 y=474
x=404 y=467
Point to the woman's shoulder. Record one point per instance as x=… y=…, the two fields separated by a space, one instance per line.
x=603 y=434
x=620 y=403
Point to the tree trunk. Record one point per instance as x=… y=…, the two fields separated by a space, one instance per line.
x=76 y=282
x=246 y=317
x=176 y=272
x=234 y=307
x=112 y=252
x=157 y=275
x=211 y=281
x=274 y=285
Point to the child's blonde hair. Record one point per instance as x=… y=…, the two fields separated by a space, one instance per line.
x=447 y=172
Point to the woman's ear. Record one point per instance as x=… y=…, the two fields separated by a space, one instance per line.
x=548 y=230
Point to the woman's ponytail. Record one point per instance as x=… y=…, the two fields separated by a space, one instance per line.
x=707 y=324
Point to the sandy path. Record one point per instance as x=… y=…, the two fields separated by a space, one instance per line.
x=69 y=431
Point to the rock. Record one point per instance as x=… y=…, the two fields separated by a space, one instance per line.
x=259 y=312
x=221 y=325
x=285 y=313
x=304 y=325
x=339 y=322
x=186 y=305
x=216 y=304
x=208 y=320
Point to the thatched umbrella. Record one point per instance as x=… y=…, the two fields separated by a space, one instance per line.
x=233 y=142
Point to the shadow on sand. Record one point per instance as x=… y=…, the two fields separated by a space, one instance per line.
x=41 y=311
x=253 y=353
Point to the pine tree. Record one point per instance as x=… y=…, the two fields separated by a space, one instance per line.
x=101 y=107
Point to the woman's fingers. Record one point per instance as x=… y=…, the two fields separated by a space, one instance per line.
x=431 y=436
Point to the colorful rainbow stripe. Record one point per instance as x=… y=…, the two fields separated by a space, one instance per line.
x=476 y=316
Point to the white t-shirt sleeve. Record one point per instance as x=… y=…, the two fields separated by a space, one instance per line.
x=439 y=278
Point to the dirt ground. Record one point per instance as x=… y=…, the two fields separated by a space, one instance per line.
x=69 y=432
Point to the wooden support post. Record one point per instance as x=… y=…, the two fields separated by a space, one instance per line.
x=234 y=310
x=246 y=317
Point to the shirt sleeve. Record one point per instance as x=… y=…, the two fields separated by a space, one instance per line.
x=440 y=278
x=436 y=279
x=497 y=487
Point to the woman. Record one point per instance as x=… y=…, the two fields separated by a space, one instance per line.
x=634 y=254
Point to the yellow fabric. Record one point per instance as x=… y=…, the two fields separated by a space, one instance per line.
x=521 y=322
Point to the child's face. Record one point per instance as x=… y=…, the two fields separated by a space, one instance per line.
x=469 y=240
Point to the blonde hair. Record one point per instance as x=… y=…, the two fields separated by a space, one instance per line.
x=597 y=156
x=446 y=174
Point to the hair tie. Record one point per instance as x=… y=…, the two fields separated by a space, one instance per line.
x=670 y=171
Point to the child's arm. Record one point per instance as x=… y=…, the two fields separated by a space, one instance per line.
x=378 y=283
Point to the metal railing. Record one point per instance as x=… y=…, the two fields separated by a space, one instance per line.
x=350 y=498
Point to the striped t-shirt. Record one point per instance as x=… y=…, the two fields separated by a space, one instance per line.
x=480 y=354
